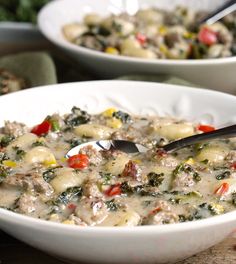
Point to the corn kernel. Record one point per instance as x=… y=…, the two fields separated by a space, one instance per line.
x=9 y=163
x=50 y=163
x=109 y=112
x=137 y=161
x=189 y=35
x=114 y=123
x=68 y=222
x=112 y=50
x=162 y=30
x=163 y=49
x=190 y=161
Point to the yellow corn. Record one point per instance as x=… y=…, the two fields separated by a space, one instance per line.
x=114 y=123
x=50 y=163
x=190 y=35
x=162 y=30
x=112 y=50
x=137 y=161
x=190 y=161
x=163 y=48
x=109 y=112
x=68 y=222
x=9 y=163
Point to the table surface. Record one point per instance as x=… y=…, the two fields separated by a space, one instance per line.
x=13 y=251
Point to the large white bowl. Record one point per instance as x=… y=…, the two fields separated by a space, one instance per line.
x=218 y=74
x=143 y=244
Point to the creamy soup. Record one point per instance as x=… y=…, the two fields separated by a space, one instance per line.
x=155 y=34
x=113 y=188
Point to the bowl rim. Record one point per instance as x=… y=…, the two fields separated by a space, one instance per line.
x=19 y=219
x=63 y=43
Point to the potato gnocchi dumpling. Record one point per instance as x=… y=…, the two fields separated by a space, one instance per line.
x=110 y=187
x=153 y=33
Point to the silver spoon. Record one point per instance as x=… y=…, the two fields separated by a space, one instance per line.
x=222 y=11
x=131 y=147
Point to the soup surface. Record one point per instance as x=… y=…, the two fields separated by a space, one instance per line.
x=112 y=188
x=156 y=34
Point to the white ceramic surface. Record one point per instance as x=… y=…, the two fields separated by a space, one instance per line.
x=218 y=74
x=116 y=245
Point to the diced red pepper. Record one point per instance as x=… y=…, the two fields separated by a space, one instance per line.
x=78 y=161
x=114 y=190
x=206 y=128
x=71 y=206
x=224 y=187
x=233 y=166
x=161 y=153
x=154 y=211
x=42 y=128
x=207 y=36
x=142 y=39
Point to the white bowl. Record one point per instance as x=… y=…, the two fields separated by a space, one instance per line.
x=218 y=74
x=142 y=244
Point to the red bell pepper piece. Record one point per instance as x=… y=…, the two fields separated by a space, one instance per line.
x=42 y=128
x=114 y=190
x=206 y=128
x=78 y=161
x=224 y=187
x=207 y=36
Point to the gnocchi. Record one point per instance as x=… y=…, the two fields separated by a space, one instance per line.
x=39 y=177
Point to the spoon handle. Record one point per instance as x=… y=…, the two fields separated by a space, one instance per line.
x=225 y=132
x=221 y=12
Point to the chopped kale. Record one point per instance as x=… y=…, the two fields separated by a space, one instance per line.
x=38 y=143
x=212 y=208
x=116 y=26
x=49 y=174
x=186 y=168
x=205 y=161
x=106 y=177
x=112 y=205
x=126 y=188
x=155 y=179
x=223 y=175
x=4 y=172
x=3 y=156
x=198 y=147
x=6 y=140
x=74 y=142
x=20 y=153
x=77 y=117
x=234 y=198
x=71 y=194
x=196 y=177
x=122 y=116
x=142 y=190
x=185 y=218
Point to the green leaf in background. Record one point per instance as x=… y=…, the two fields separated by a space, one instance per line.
x=20 y=10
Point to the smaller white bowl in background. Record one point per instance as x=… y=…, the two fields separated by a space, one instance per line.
x=120 y=245
x=218 y=74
